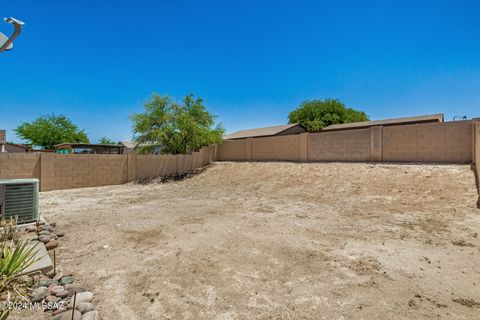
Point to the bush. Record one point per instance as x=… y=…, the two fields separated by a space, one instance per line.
x=8 y=230
x=4 y=314
x=15 y=257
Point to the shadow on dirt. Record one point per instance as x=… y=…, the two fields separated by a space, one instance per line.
x=173 y=178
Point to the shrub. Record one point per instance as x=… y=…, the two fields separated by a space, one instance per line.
x=4 y=314
x=15 y=257
x=8 y=230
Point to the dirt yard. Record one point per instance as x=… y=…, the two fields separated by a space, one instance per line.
x=278 y=241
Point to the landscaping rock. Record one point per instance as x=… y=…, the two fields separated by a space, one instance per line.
x=59 y=233
x=58 y=276
x=39 y=290
x=66 y=279
x=59 y=311
x=65 y=302
x=67 y=315
x=44 y=238
x=39 y=297
x=51 y=286
x=44 y=232
x=55 y=289
x=51 y=299
x=53 y=224
x=62 y=294
x=72 y=289
x=86 y=296
x=41 y=223
x=31 y=229
x=84 y=307
x=52 y=244
x=92 y=315
x=45 y=282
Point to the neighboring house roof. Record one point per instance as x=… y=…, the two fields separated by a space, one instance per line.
x=133 y=145
x=85 y=145
x=24 y=146
x=89 y=148
x=386 y=122
x=261 y=132
x=14 y=147
x=128 y=144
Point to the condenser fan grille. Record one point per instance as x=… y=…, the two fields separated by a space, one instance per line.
x=20 y=201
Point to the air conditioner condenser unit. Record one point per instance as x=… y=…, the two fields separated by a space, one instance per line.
x=19 y=199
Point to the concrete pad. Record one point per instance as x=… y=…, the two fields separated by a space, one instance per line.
x=43 y=264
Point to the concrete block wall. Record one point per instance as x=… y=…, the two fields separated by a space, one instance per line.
x=68 y=171
x=282 y=148
x=235 y=150
x=348 y=145
x=195 y=160
x=445 y=142
x=131 y=166
x=188 y=162
x=376 y=143
x=476 y=154
x=449 y=142
x=19 y=165
x=62 y=171
x=151 y=166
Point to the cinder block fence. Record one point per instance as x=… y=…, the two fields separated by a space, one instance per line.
x=67 y=171
x=444 y=142
x=477 y=156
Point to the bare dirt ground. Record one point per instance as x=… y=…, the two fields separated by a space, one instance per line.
x=279 y=241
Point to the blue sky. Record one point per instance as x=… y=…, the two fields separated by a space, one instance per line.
x=251 y=61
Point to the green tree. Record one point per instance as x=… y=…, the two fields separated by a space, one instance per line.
x=49 y=130
x=315 y=115
x=105 y=140
x=176 y=128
